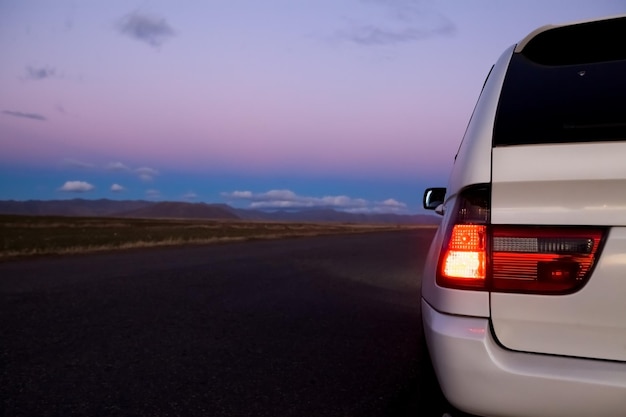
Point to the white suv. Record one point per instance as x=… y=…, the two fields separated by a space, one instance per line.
x=524 y=289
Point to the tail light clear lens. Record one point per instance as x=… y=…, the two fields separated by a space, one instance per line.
x=550 y=260
x=527 y=259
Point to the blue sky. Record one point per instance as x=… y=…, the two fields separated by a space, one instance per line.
x=353 y=104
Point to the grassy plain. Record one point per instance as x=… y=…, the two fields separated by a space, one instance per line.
x=22 y=236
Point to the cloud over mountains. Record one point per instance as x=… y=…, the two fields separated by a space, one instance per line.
x=288 y=200
x=76 y=187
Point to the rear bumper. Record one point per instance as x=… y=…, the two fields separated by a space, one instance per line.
x=480 y=377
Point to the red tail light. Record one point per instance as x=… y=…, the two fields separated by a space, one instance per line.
x=465 y=259
x=463 y=263
x=527 y=259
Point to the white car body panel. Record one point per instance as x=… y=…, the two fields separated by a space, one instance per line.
x=556 y=189
x=562 y=179
x=479 y=376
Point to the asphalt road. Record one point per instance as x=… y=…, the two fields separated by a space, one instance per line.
x=325 y=326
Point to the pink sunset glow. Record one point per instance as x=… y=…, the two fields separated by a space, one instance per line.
x=364 y=99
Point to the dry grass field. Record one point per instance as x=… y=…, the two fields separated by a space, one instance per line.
x=22 y=236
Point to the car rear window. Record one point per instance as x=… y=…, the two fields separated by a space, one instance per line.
x=566 y=85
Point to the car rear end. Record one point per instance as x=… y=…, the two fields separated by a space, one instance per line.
x=524 y=290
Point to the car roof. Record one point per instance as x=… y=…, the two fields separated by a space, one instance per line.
x=524 y=42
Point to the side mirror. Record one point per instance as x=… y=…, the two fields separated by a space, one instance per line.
x=434 y=197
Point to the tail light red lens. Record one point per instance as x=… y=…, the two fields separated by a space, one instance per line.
x=463 y=263
x=526 y=259
x=466 y=258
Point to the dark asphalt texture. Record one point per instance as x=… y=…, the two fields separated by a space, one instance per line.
x=323 y=326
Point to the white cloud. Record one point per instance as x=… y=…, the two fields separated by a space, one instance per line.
x=343 y=201
x=287 y=199
x=116 y=188
x=117 y=166
x=392 y=203
x=280 y=204
x=147 y=174
x=244 y=195
x=387 y=206
x=76 y=187
x=190 y=196
x=278 y=195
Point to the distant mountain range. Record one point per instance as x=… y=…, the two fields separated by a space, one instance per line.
x=180 y=210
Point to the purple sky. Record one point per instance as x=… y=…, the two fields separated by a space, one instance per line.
x=351 y=104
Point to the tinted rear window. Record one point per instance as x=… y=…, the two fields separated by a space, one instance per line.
x=567 y=85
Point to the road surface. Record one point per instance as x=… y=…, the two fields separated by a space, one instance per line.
x=324 y=326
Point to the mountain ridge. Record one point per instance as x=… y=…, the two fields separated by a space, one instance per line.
x=171 y=209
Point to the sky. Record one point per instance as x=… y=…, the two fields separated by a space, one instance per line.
x=356 y=105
